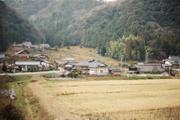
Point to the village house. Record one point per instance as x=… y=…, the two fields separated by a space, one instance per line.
x=93 y=67
x=67 y=63
x=174 y=61
x=27 y=44
x=44 y=46
x=24 y=44
x=45 y=65
x=2 y=57
x=39 y=57
x=115 y=71
x=60 y=63
x=23 y=54
x=28 y=66
x=35 y=46
x=69 y=59
x=149 y=68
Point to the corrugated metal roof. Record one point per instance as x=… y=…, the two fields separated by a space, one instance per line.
x=68 y=59
x=28 y=63
x=149 y=67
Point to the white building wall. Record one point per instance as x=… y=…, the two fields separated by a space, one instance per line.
x=99 y=71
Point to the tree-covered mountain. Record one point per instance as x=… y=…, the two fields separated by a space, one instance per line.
x=61 y=20
x=154 y=25
x=156 y=21
x=28 y=8
x=13 y=28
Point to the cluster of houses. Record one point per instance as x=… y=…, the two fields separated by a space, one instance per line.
x=26 y=57
x=25 y=61
x=95 y=67
x=27 y=44
x=169 y=65
x=91 y=67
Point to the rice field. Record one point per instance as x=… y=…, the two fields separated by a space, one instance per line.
x=109 y=99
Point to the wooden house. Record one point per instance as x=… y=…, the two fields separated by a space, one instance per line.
x=22 y=55
x=149 y=68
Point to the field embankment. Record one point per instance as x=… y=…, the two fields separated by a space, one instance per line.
x=8 y=108
x=26 y=106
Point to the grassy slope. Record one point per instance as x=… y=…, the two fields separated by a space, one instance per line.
x=26 y=105
x=80 y=54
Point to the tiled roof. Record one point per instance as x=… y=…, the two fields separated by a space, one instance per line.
x=91 y=64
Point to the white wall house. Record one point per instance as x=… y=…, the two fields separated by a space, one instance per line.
x=99 y=71
x=94 y=67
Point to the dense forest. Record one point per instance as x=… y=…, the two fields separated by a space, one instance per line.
x=136 y=27
x=129 y=28
x=28 y=8
x=13 y=28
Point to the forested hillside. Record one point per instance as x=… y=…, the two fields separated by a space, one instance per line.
x=131 y=28
x=15 y=29
x=61 y=20
x=28 y=8
x=147 y=25
x=58 y=20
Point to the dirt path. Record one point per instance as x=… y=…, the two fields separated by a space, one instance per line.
x=30 y=73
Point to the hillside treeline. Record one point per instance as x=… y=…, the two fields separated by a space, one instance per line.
x=151 y=26
x=13 y=28
x=132 y=29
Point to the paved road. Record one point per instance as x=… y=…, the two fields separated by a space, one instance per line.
x=30 y=73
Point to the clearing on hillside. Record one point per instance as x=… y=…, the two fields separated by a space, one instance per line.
x=109 y=100
x=80 y=54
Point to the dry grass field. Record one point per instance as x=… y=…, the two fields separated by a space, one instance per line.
x=109 y=100
x=80 y=54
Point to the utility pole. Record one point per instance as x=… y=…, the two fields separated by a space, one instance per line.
x=121 y=62
x=43 y=45
x=147 y=57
